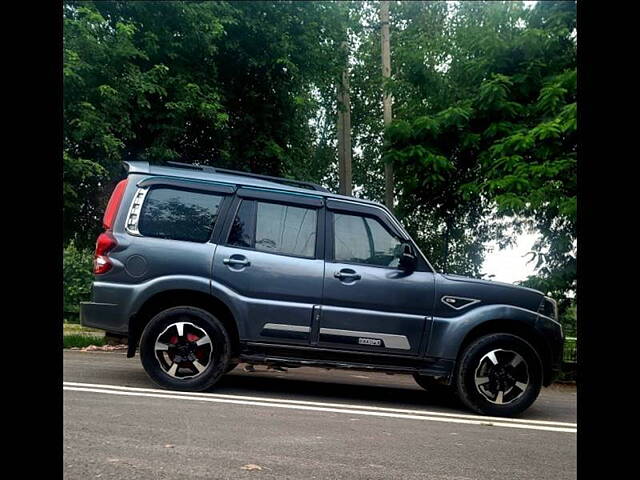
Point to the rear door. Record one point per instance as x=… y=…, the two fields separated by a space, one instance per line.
x=368 y=303
x=271 y=257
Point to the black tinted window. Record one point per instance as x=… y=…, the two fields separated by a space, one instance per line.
x=286 y=229
x=179 y=214
x=241 y=233
x=364 y=240
x=275 y=228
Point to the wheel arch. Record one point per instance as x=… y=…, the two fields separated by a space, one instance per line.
x=172 y=298
x=520 y=329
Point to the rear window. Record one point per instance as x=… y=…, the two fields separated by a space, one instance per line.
x=179 y=214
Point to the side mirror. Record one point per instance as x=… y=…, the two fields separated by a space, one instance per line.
x=408 y=261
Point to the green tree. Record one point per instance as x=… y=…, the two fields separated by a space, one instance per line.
x=475 y=84
x=484 y=130
x=76 y=276
x=224 y=83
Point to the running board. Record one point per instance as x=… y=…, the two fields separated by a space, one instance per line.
x=435 y=368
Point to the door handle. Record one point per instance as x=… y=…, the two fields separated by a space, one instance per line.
x=347 y=275
x=236 y=261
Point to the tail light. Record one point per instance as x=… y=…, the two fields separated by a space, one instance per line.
x=113 y=205
x=106 y=241
x=101 y=261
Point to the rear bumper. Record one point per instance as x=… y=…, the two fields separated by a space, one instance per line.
x=104 y=316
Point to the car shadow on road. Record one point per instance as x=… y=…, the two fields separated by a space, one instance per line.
x=325 y=390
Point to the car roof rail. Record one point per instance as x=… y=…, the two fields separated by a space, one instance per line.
x=195 y=166
x=210 y=169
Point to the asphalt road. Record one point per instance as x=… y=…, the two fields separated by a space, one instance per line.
x=305 y=423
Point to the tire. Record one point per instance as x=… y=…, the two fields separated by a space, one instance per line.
x=489 y=361
x=231 y=366
x=431 y=385
x=210 y=358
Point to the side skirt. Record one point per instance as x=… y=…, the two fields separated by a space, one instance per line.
x=300 y=356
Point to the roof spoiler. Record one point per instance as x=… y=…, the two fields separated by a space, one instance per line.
x=137 y=166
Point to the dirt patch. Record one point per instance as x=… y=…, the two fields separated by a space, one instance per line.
x=103 y=348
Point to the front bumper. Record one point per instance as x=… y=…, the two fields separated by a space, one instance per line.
x=551 y=331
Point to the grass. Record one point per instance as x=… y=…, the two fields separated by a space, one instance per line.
x=69 y=328
x=79 y=340
x=75 y=335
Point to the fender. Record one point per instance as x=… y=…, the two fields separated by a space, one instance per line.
x=447 y=334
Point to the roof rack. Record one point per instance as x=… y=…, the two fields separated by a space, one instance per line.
x=210 y=169
x=204 y=168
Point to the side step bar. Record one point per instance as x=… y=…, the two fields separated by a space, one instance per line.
x=442 y=368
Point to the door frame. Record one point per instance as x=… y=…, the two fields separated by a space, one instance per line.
x=377 y=213
x=256 y=194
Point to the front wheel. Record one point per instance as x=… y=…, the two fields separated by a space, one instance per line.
x=432 y=385
x=185 y=348
x=499 y=375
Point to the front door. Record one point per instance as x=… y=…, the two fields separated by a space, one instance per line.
x=272 y=260
x=368 y=303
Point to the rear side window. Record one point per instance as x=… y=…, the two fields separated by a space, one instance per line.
x=360 y=239
x=275 y=228
x=242 y=234
x=179 y=214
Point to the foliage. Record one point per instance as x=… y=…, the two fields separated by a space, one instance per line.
x=224 y=83
x=77 y=266
x=483 y=141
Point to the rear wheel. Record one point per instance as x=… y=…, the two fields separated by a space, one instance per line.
x=499 y=375
x=185 y=348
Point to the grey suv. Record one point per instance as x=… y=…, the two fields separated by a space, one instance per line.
x=204 y=268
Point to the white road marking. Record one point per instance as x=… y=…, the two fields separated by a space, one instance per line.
x=325 y=407
x=324 y=404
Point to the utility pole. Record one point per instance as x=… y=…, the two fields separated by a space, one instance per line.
x=386 y=98
x=344 y=128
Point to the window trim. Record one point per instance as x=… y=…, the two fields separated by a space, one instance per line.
x=287 y=198
x=140 y=196
x=235 y=207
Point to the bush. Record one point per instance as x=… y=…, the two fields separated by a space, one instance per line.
x=77 y=273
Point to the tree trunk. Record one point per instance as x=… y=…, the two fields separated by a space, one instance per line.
x=344 y=130
x=386 y=98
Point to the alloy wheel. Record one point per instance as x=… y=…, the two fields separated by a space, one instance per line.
x=502 y=376
x=183 y=350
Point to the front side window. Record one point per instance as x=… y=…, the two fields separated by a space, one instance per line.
x=275 y=228
x=359 y=239
x=179 y=214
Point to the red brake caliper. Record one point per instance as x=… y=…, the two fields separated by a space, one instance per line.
x=199 y=351
x=173 y=340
